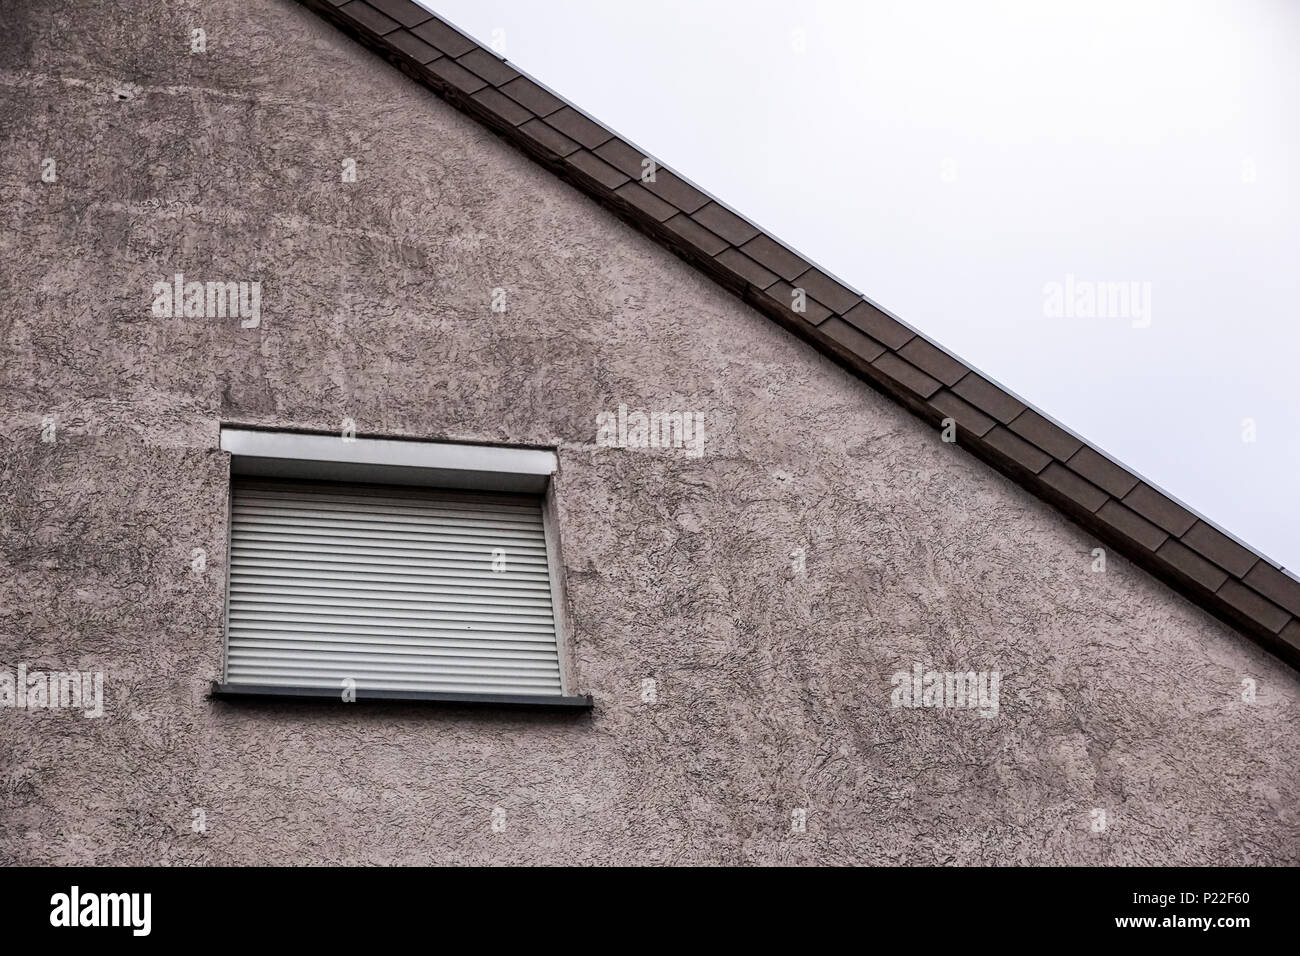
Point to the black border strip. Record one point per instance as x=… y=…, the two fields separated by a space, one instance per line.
x=252 y=692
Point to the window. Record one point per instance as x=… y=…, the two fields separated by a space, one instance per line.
x=391 y=569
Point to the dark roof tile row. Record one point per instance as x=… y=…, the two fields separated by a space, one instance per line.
x=532 y=97
x=1102 y=496
x=1278 y=587
x=1015 y=449
x=906 y=374
x=825 y=289
x=446 y=38
x=597 y=170
x=414 y=47
x=768 y=252
x=1102 y=472
x=548 y=139
x=750 y=271
x=646 y=201
x=578 y=128
x=692 y=233
x=987 y=397
x=967 y=417
x=1132 y=525
x=490 y=68
x=809 y=309
x=503 y=106
x=1047 y=435
x=369 y=17
x=453 y=74
x=1154 y=506
x=857 y=343
x=405 y=12
x=932 y=360
x=725 y=223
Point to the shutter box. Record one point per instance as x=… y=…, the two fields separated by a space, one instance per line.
x=391 y=591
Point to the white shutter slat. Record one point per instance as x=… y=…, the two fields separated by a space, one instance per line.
x=302 y=518
x=363 y=592
x=391 y=587
x=413 y=498
x=463 y=683
x=433 y=683
x=447 y=648
x=265 y=580
x=474 y=557
x=297 y=506
x=397 y=669
x=371 y=633
x=448 y=540
x=375 y=564
x=450 y=607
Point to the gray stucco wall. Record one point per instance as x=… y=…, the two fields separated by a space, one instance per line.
x=773 y=687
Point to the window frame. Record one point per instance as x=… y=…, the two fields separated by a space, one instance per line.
x=334 y=459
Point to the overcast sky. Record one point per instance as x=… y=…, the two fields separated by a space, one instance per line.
x=952 y=160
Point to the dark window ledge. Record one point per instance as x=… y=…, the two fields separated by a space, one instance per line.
x=251 y=692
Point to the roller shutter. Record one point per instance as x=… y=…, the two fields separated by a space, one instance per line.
x=392 y=587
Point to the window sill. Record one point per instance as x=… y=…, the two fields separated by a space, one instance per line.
x=232 y=692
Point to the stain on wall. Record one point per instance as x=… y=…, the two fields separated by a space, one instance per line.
x=773 y=686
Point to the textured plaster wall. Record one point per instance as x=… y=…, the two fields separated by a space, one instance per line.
x=773 y=688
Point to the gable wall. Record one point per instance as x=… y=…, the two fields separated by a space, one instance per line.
x=773 y=687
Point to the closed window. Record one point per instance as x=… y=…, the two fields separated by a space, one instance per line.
x=374 y=590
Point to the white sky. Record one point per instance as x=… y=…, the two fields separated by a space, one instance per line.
x=953 y=157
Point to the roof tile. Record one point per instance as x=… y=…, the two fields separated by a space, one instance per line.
x=412 y=46
x=455 y=75
x=404 y=12
x=370 y=18
x=906 y=375
x=933 y=361
x=774 y=256
x=967 y=417
x=597 y=169
x=1278 y=587
x=1132 y=525
x=746 y=268
x=846 y=335
x=1017 y=449
x=1051 y=438
x=445 y=38
x=503 y=106
x=625 y=158
x=878 y=325
x=1102 y=472
x=549 y=139
x=725 y=223
x=531 y=96
x=1290 y=635
x=577 y=127
x=987 y=397
x=1256 y=608
x=668 y=185
x=825 y=289
x=691 y=232
x=1219 y=548
x=646 y=201
x=1209 y=576
x=1154 y=506
x=814 y=312
x=489 y=67
x=1083 y=493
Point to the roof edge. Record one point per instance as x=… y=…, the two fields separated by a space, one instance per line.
x=1124 y=511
